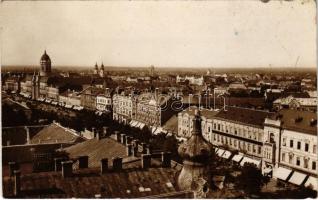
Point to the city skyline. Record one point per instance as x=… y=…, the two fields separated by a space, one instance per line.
x=201 y=34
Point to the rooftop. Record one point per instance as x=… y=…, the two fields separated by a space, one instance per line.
x=244 y=115
x=56 y=134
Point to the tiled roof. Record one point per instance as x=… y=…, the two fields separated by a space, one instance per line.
x=55 y=134
x=289 y=117
x=244 y=115
x=171 y=124
x=97 y=150
x=131 y=182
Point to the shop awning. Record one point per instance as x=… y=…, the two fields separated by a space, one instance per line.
x=237 y=158
x=54 y=103
x=159 y=129
x=141 y=125
x=312 y=182
x=68 y=106
x=267 y=170
x=297 y=178
x=153 y=129
x=216 y=149
x=281 y=173
x=220 y=152
x=250 y=160
x=226 y=154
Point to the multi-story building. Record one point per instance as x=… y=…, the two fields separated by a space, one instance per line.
x=291 y=144
x=309 y=104
x=52 y=93
x=124 y=107
x=12 y=84
x=89 y=96
x=70 y=98
x=154 y=109
x=280 y=142
x=104 y=101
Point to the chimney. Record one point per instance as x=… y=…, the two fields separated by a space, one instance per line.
x=58 y=163
x=144 y=145
x=12 y=167
x=135 y=151
x=118 y=137
x=98 y=135
x=123 y=138
x=67 y=168
x=94 y=131
x=136 y=143
x=105 y=130
x=145 y=161
x=166 y=159
x=157 y=94
x=129 y=149
x=27 y=134
x=104 y=165
x=117 y=163
x=17 y=182
x=128 y=140
x=83 y=162
x=149 y=149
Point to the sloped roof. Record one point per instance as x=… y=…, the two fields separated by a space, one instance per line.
x=244 y=115
x=288 y=117
x=55 y=134
x=97 y=150
x=171 y=124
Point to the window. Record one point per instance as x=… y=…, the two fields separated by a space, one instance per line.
x=235 y=132
x=305 y=163
x=219 y=126
x=297 y=161
x=313 y=165
x=283 y=157
x=291 y=143
x=298 y=145
x=306 y=147
x=314 y=150
x=284 y=141
x=259 y=149
x=209 y=129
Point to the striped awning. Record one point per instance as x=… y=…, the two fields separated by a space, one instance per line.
x=237 y=158
x=220 y=152
x=297 y=178
x=281 y=173
x=226 y=154
x=312 y=182
x=250 y=160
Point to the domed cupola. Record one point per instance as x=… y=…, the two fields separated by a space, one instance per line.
x=45 y=63
x=196 y=153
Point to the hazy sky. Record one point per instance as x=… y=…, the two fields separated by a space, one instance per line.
x=240 y=33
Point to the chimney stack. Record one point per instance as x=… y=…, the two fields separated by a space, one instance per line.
x=94 y=131
x=145 y=161
x=123 y=138
x=98 y=135
x=117 y=163
x=166 y=159
x=105 y=130
x=104 y=165
x=129 y=148
x=67 y=168
x=58 y=163
x=149 y=149
x=128 y=140
x=12 y=167
x=135 y=151
x=118 y=137
x=83 y=162
x=17 y=182
x=144 y=145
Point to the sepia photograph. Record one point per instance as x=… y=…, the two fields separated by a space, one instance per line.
x=212 y=99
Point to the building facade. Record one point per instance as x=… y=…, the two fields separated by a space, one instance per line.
x=124 y=107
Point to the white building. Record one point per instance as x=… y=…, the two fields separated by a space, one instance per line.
x=123 y=107
x=104 y=101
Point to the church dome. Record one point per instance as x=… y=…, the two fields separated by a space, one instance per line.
x=196 y=149
x=45 y=57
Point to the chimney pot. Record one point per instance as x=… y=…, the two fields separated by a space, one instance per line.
x=67 y=168
x=117 y=163
x=145 y=161
x=17 y=182
x=83 y=162
x=104 y=165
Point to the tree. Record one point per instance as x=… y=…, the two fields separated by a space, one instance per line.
x=251 y=179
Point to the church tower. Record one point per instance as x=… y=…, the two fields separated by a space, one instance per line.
x=196 y=153
x=95 y=69
x=102 y=71
x=45 y=63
